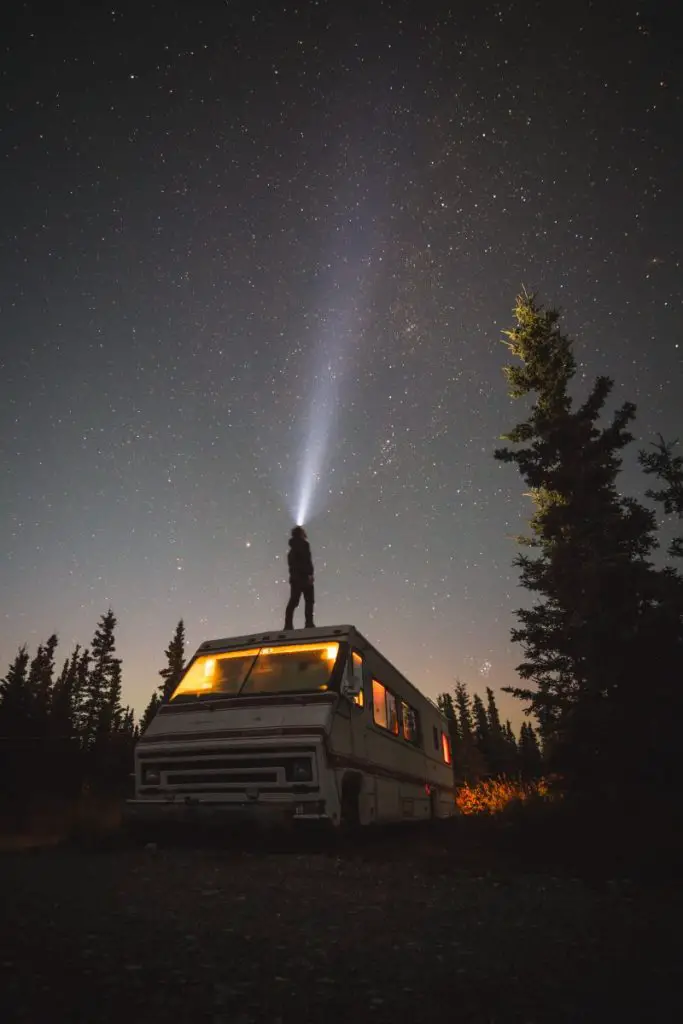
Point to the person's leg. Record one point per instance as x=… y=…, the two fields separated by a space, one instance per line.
x=293 y=603
x=309 y=600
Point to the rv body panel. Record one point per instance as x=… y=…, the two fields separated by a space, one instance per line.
x=296 y=755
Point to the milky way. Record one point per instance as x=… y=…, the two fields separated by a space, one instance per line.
x=204 y=212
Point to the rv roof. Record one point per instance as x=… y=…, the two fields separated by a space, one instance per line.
x=318 y=633
x=250 y=639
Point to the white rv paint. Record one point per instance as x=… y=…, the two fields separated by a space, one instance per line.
x=293 y=732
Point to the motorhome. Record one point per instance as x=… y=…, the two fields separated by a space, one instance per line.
x=303 y=725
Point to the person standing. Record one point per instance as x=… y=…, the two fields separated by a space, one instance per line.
x=300 y=578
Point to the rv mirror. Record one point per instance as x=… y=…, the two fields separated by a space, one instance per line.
x=352 y=686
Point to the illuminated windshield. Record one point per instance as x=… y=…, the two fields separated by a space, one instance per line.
x=291 y=669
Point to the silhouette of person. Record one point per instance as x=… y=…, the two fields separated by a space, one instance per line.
x=300 y=577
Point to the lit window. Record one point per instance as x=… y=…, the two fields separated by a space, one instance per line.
x=392 y=714
x=379 y=704
x=357 y=670
x=385 y=710
x=446 y=745
x=290 y=668
x=409 y=716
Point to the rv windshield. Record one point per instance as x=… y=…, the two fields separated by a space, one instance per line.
x=294 y=668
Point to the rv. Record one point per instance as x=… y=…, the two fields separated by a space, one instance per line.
x=303 y=725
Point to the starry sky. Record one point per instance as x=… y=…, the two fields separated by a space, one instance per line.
x=254 y=255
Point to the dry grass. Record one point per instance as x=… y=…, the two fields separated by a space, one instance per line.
x=88 y=818
x=492 y=796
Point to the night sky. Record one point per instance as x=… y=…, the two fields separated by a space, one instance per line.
x=254 y=252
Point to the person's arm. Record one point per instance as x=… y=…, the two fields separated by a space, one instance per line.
x=309 y=557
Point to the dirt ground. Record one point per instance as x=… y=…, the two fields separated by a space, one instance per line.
x=392 y=932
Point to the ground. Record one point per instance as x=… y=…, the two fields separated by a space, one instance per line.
x=395 y=931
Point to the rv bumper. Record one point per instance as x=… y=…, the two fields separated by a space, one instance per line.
x=187 y=811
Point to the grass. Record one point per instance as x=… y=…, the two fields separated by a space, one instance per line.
x=492 y=796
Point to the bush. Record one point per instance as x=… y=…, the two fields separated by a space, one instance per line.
x=491 y=796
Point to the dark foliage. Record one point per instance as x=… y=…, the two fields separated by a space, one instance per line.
x=603 y=638
x=481 y=745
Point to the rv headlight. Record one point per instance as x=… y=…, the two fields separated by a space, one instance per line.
x=300 y=770
x=151 y=776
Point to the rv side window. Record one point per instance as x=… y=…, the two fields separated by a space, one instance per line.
x=410 y=729
x=384 y=709
x=379 y=704
x=392 y=713
x=435 y=734
x=446 y=745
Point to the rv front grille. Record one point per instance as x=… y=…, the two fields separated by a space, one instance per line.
x=221 y=772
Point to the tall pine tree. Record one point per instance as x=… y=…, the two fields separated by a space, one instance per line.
x=529 y=752
x=101 y=707
x=172 y=671
x=16 y=699
x=668 y=467
x=65 y=697
x=171 y=674
x=40 y=682
x=597 y=614
x=481 y=731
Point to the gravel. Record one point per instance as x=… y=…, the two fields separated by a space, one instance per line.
x=395 y=933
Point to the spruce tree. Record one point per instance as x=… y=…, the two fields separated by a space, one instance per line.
x=81 y=695
x=16 y=699
x=40 y=682
x=481 y=730
x=463 y=705
x=597 y=614
x=511 y=749
x=497 y=753
x=172 y=672
x=150 y=711
x=668 y=467
x=64 y=697
x=102 y=699
x=529 y=752
x=468 y=762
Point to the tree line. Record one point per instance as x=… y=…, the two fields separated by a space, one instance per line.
x=481 y=744
x=63 y=729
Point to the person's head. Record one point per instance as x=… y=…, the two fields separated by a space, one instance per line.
x=298 y=533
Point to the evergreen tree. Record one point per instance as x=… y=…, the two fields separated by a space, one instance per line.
x=172 y=672
x=113 y=714
x=102 y=699
x=150 y=711
x=511 y=748
x=467 y=761
x=464 y=710
x=668 y=467
x=16 y=703
x=80 y=695
x=128 y=727
x=529 y=752
x=600 y=607
x=40 y=683
x=64 y=697
x=481 y=730
x=497 y=753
